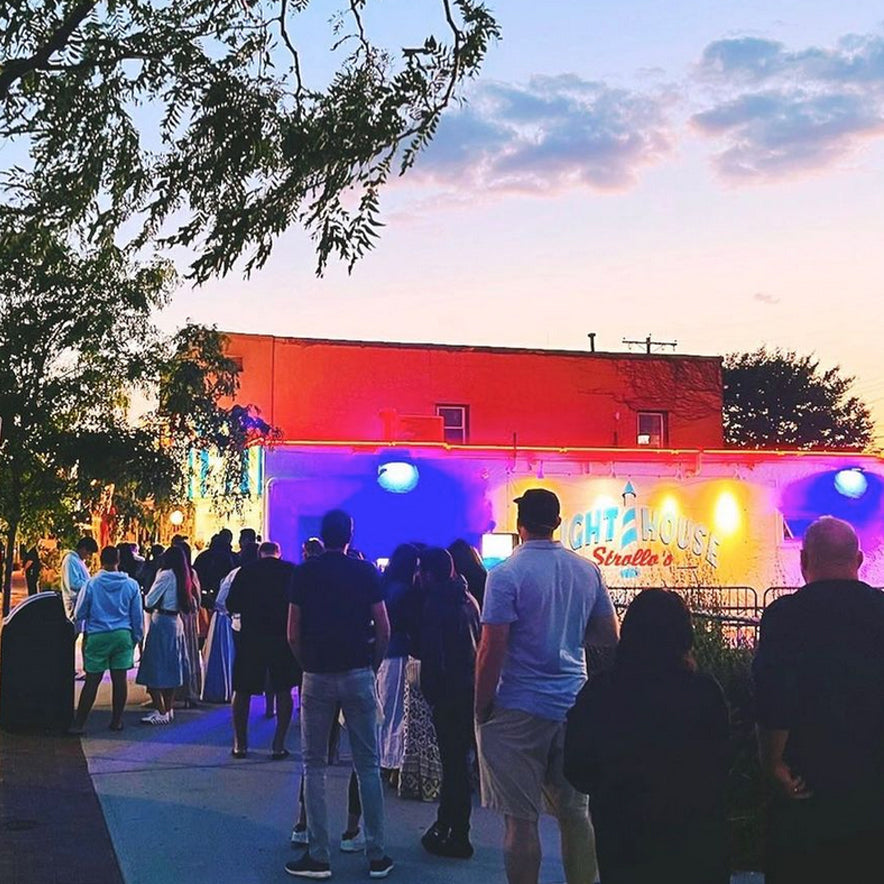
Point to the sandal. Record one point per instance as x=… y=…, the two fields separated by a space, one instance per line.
x=279 y=756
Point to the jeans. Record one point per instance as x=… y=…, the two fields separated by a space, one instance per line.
x=453 y=720
x=355 y=692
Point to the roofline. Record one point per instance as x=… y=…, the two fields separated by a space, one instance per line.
x=718 y=454
x=471 y=348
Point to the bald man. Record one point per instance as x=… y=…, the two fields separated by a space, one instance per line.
x=819 y=677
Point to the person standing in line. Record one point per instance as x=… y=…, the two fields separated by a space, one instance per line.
x=162 y=667
x=31 y=565
x=542 y=606
x=449 y=635
x=819 y=679
x=110 y=607
x=192 y=688
x=398 y=584
x=468 y=563
x=259 y=594
x=648 y=742
x=338 y=630
x=75 y=572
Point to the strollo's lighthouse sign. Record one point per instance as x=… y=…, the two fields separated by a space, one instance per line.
x=633 y=537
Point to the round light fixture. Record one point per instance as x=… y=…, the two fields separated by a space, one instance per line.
x=851 y=483
x=398 y=477
x=176 y=517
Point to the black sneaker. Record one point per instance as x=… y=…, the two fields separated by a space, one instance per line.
x=380 y=868
x=307 y=867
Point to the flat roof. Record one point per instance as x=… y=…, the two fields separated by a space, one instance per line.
x=473 y=348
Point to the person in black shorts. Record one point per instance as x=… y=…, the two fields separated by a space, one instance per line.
x=259 y=594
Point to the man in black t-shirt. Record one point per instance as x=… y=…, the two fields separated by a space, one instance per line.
x=819 y=674
x=338 y=630
x=259 y=594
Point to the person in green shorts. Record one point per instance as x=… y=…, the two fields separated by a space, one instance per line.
x=110 y=607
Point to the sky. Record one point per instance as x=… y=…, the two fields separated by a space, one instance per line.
x=709 y=173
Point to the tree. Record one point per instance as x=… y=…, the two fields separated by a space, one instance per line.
x=196 y=122
x=76 y=340
x=776 y=398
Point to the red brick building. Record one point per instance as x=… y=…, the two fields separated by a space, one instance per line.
x=324 y=390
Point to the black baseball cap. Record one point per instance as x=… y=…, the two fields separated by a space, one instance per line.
x=539 y=508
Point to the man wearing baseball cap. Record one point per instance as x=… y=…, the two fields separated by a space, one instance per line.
x=542 y=606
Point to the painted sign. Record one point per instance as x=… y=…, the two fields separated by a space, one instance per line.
x=632 y=536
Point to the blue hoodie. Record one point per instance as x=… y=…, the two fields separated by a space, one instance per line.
x=111 y=600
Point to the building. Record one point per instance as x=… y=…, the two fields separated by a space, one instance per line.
x=322 y=391
x=429 y=443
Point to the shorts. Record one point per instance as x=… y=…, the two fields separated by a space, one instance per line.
x=521 y=764
x=109 y=650
x=260 y=655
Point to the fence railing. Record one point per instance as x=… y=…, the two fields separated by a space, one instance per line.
x=737 y=608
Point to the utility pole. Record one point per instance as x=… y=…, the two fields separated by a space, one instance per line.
x=649 y=342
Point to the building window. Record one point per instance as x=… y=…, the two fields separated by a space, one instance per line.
x=651 y=429
x=455 y=423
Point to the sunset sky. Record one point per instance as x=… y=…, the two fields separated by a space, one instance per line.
x=709 y=172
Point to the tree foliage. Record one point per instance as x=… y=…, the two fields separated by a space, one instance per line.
x=776 y=398
x=77 y=341
x=195 y=122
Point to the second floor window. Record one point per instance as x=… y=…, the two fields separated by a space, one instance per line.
x=651 y=429
x=455 y=423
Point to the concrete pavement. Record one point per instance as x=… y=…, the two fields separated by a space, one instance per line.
x=180 y=809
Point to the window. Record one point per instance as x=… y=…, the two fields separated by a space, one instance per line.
x=455 y=423
x=651 y=429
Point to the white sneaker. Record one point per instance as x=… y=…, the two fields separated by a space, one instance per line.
x=353 y=842
x=156 y=718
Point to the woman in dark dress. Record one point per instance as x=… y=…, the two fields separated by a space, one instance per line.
x=648 y=742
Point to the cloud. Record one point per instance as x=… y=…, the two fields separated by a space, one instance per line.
x=552 y=134
x=765 y=298
x=780 y=112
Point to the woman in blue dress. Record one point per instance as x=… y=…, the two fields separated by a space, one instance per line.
x=162 y=669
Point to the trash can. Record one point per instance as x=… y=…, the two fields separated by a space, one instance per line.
x=37 y=666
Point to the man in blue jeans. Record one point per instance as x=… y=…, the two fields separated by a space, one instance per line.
x=338 y=630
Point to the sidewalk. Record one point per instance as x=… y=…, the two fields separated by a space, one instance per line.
x=225 y=820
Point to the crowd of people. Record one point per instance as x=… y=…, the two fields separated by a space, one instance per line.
x=437 y=669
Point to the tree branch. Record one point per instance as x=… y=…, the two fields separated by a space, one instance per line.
x=16 y=68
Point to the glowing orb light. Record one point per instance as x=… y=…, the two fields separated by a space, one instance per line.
x=669 y=505
x=851 y=483
x=727 y=513
x=176 y=517
x=398 y=477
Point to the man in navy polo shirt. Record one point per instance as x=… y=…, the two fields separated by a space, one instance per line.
x=338 y=630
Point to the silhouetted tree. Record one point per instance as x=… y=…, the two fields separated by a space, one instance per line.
x=776 y=398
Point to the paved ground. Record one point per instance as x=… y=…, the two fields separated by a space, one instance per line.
x=170 y=804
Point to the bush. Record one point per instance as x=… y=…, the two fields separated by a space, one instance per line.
x=725 y=652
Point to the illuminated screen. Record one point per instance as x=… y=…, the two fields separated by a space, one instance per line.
x=498 y=547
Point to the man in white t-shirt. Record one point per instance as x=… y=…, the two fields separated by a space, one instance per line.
x=542 y=607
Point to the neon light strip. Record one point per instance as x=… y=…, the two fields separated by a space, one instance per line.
x=731 y=453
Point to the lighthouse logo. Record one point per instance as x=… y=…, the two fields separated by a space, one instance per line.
x=631 y=537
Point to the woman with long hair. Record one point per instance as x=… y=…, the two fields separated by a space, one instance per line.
x=398 y=583
x=162 y=667
x=468 y=563
x=192 y=688
x=420 y=774
x=648 y=742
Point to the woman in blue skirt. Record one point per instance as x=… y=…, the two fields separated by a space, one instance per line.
x=162 y=668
